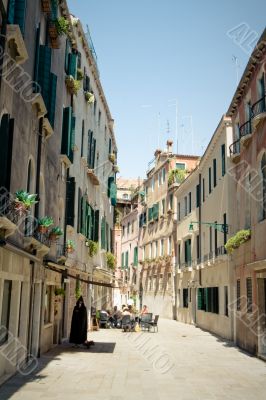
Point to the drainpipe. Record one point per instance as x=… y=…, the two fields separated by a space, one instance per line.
x=30 y=321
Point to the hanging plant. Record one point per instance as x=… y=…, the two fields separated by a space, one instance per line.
x=89 y=97
x=110 y=259
x=80 y=74
x=44 y=223
x=24 y=201
x=78 y=292
x=112 y=157
x=70 y=246
x=59 y=291
x=93 y=247
x=73 y=85
x=239 y=238
x=55 y=233
x=62 y=25
x=176 y=176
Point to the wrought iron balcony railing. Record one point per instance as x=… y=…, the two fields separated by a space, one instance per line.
x=259 y=107
x=245 y=129
x=234 y=148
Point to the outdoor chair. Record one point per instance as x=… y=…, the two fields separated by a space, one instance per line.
x=103 y=321
x=145 y=320
x=126 y=323
x=154 y=323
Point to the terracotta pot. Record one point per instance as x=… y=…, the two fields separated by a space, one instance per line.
x=53 y=237
x=69 y=249
x=42 y=229
x=20 y=208
x=46 y=6
x=52 y=30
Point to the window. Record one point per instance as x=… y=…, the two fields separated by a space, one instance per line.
x=179 y=211
x=249 y=295
x=128 y=228
x=125 y=196
x=155 y=249
x=198 y=248
x=223 y=159
x=171 y=201
x=99 y=118
x=210 y=180
x=82 y=139
x=144 y=252
x=169 y=281
x=163 y=177
x=126 y=261
x=212 y=299
x=123 y=261
x=238 y=293
x=180 y=166
x=170 y=245
x=162 y=248
x=5 y=316
x=263 y=172
x=261 y=91
x=210 y=236
x=189 y=202
x=132 y=227
x=94 y=107
x=159 y=178
x=203 y=190
x=214 y=173
x=123 y=230
x=201 y=299
x=150 y=251
x=163 y=206
x=185 y=298
x=48 y=303
x=188 y=251
x=136 y=261
x=179 y=253
x=197 y=195
x=186 y=206
x=226 y=301
x=150 y=282
x=152 y=184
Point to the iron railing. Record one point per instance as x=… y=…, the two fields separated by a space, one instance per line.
x=245 y=129
x=259 y=107
x=234 y=148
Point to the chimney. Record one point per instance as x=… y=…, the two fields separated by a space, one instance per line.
x=169 y=144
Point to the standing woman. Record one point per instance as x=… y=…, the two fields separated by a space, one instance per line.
x=79 y=325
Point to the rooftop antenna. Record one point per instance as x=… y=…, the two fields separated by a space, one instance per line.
x=237 y=65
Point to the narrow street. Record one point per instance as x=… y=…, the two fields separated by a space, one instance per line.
x=179 y=362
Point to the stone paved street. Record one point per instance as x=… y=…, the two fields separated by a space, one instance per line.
x=180 y=362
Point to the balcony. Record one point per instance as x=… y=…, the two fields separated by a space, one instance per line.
x=245 y=133
x=258 y=111
x=215 y=257
x=35 y=240
x=9 y=217
x=234 y=149
x=16 y=44
x=93 y=177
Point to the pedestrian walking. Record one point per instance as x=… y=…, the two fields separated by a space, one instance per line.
x=79 y=325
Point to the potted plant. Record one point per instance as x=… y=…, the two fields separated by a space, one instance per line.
x=70 y=246
x=80 y=74
x=93 y=247
x=110 y=260
x=116 y=169
x=72 y=84
x=23 y=201
x=112 y=157
x=55 y=233
x=59 y=291
x=44 y=223
x=46 y=6
x=89 y=97
x=62 y=25
x=239 y=238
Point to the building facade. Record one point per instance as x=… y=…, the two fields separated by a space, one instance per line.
x=45 y=127
x=248 y=155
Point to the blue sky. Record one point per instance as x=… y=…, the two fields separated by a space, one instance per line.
x=152 y=52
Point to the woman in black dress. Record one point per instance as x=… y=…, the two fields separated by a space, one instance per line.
x=79 y=325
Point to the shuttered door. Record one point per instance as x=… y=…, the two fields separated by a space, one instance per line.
x=90 y=139
x=83 y=215
x=66 y=132
x=52 y=102
x=73 y=131
x=44 y=73
x=110 y=181
x=11 y=12
x=135 y=256
x=96 y=226
x=113 y=194
x=72 y=65
x=70 y=201
x=93 y=149
x=20 y=14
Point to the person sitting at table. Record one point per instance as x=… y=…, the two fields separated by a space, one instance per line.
x=144 y=311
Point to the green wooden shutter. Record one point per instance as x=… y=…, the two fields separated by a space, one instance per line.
x=72 y=65
x=66 y=133
x=200 y=299
x=90 y=139
x=6 y=135
x=107 y=236
x=93 y=149
x=127 y=259
x=52 y=102
x=96 y=226
x=103 y=244
x=223 y=158
x=83 y=215
x=123 y=260
x=88 y=220
x=207 y=305
x=73 y=130
x=54 y=9
x=67 y=49
x=11 y=12
x=79 y=210
x=150 y=213
x=37 y=59
x=92 y=224
x=135 y=256
x=113 y=194
x=70 y=201
x=156 y=211
x=20 y=14
x=110 y=181
x=44 y=73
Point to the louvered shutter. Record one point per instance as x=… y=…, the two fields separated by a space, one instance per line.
x=90 y=139
x=73 y=130
x=200 y=299
x=66 y=133
x=20 y=14
x=52 y=102
x=72 y=65
x=96 y=226
x=83 y=215
x=44 y=73
x=103 y=233
x=92 y=156
x=70 y=201
x=113 y=194
x=54 y=10
x=110 y=181
x=11 y=12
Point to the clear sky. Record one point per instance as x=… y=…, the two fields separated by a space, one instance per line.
x=154 y=52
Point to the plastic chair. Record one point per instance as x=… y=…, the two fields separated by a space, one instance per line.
x=154 y=324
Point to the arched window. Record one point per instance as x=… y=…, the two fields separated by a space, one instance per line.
x=263 y=174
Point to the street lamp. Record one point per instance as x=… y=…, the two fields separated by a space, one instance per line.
x=219 y=227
